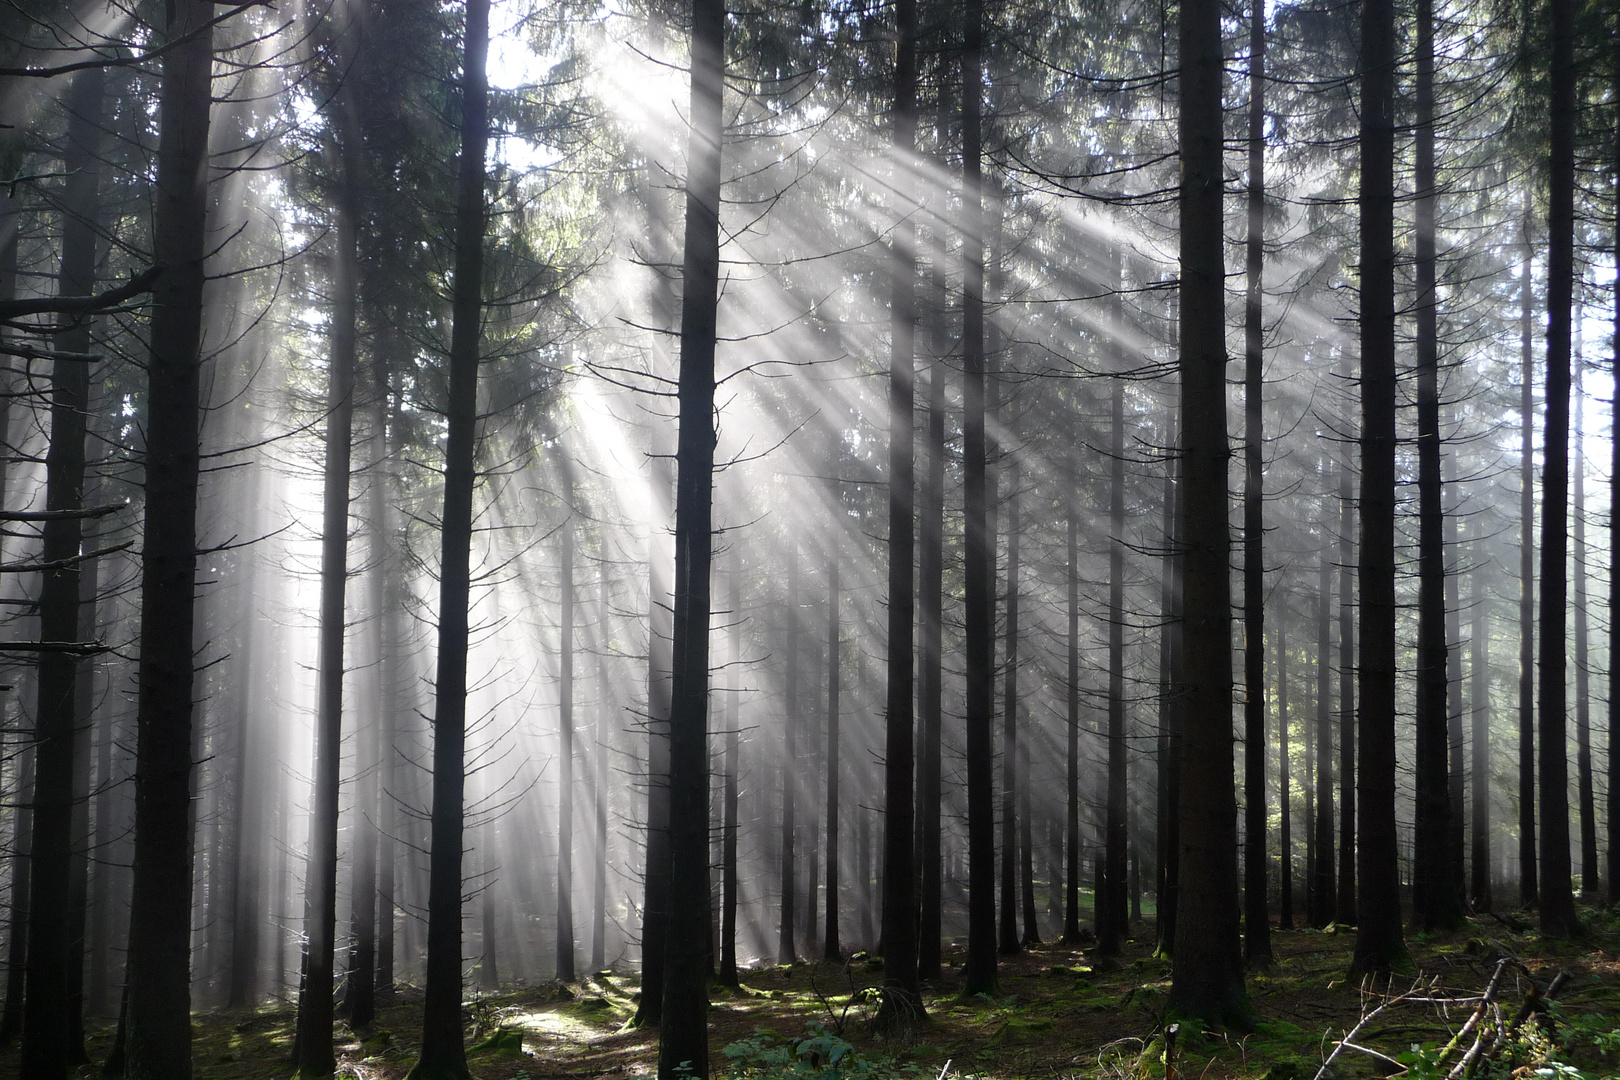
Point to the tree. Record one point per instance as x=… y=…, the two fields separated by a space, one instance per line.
x=1111 y=902
x=1528 y=890
x=1207 y=969
x=443 y=1053
x=831 y=949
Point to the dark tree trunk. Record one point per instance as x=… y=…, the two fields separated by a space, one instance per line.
x=159 y=958
x=1345 y=912
x=565 y=737
x=729 y=878
x=443 y=1052
x=1026 y=851
x=1457 y=769
x=1435 y=904
x=53 y=1039
x=902 y=1007
x=1528 y=890
x=930 y=676
x=655 y=909
x=1285 y=766
x=1207 y=970
x=22 y=816
x=316 y=1055
x=246 y=834
x=389 y=704
x=1323 y=883
x=1583 y=691
x=1612 y=808
x=1558 y=918
x=786 y=948
x=683 y=1043
x=978 y=550
x=1256 y=918
x=1110 y=934
x=1008 y=926
x=1172 y=664
x=1379 y=945
x=1480 y=685
x=599 y=779
x=831 y=948
x=1071 y=861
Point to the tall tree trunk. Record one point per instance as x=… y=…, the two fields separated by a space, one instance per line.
x=1558 y=918
x=1457 y=768
x=1612 y=808
x=1071 y=862
x=683 y=1043
x=1322 y=884
x=930 y=676
x=1110 y=934
x=1528 y=891
x=1435 y=905
x=51 y=1016
x=1026 y=852
x=360 y=984
x=1172 y=667
x=1256 y=918
x=786 y=947
x=1345 y=909
x=1379 y=944
x=1285 y=766
x=159 y=958
x=316 y=1054
x=22 y=815
x=1008 y=928
x=565 y=738
x=830 y=947
x=901 y=1007
x=1479 y=664
x=655 y=908
x=1207 y=970
x=1583 y=690
x=443 y=1052
x=599 y=781
x=978 y=548
x=729 y=878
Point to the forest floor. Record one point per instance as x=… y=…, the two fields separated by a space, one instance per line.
x=1061 y=1013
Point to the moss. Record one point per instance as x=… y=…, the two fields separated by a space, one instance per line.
x=503 y=1042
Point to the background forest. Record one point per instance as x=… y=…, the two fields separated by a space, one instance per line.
x=500 y=495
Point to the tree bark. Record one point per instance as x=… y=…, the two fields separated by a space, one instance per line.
x=1480 y=685
x=1285 y=768
x=1528 y=891
x=930 y=676
x=1323 y=883
x=729 y=878
x=1110 y=934
x=786 y=947
x=831 y=949
x=565 y=738
x=1071 y=869
x=1010 y=780
x=1345 y=909
x=1587 y=799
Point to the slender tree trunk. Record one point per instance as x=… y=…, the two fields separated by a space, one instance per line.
x=1528 y=891
x=1345 y=912
x=599 y=780
x=316 y=1054
x=1256 y=919
x=1026 y=852
x=22 y=815
x=565 y=737
x=930 y=677
x=729 y=822
x=1457 y=770
x=655 y=909
x=831 y=949
x=1434 y=903
x=978 y=554
x=683 y=1044
x=786 y=947
x=1480 y=685
x=443 y=1052
x=1172 y=665
x=1558 y=918
x=1379 y=945
x=1612 y=808
x=1110 y=934
x=53 y=1039
x=1008 y=929
x=1285 y=766
x=159 y=958
x=1207 y=970
x=360 y=984
x=1323 y=884
x=1071 y=873
x=1583 y=690
x=902 y=1007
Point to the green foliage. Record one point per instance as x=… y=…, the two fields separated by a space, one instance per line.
x=817 y=1055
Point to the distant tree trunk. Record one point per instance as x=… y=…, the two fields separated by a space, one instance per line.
x=1480 y=684
x=489 y=946
x=53 y=1039
x=389 y=706
x=1583 y=691
x=1435 y=904
x=599 y=780
x=683 y=1044
x=22 y=816
x=1345 y=912
x=1528 y=891
x=1008 y=930
x=159 y=958
x=443 y=1053
x=930 y=677
x=1285 y=765
x=1207 y=970
x=1457 y=768
x=831 y=949
x=1378 y=914
x=316 y=1054
x=902 y=1007
x=979 y=975
x=1256 y=917
x=565 y=736
x=1071 y=873
x=1172 y=664
x=729 y=820
x=1558 y=918
x=655 y=908
x=786 y=948
x=360 y=984
x=1110 y=935
x=1612 y=808
x=1322 y=884
x=1026 y=852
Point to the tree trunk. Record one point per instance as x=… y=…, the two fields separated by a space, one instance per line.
x=1256 y=918
x=159 y=958
x=1379 y=945
x=901 y=1008
x=599 y=780
x=1612 y=808
x=1528 y=890
x=1285 y=766
x=1172 y=665
x=443 y=1052
x=930 y=676
x=53 y=1039
x=729 y=822
x=831 y=949
x=1558 y=918
x=316 y=1054
x=1323 y=884
x=1583 y=691
x=1207 y=970
x=1071 y=868
x=1110 y=934
x=565 y=739
x=786 y=947
x=1008 y=927
x=1345 y=909
x=683 y=1044
x=1480 y=684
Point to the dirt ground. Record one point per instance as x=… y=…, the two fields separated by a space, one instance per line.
x=1061 y=1013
